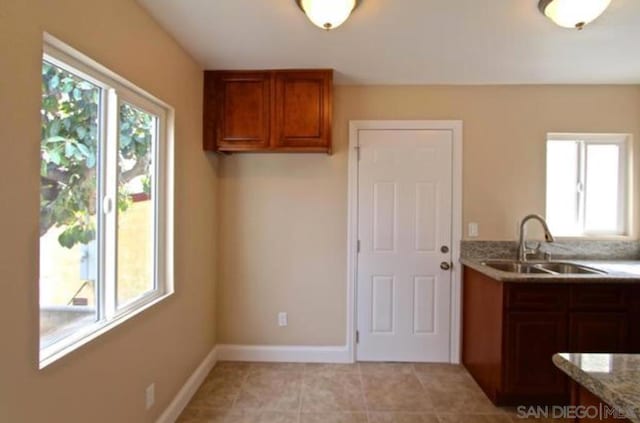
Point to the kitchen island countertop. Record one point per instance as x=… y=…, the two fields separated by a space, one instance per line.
x=614 y=378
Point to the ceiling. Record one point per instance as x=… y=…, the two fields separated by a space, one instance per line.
x=411 y=41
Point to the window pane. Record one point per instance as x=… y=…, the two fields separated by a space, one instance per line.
x=136 y=218
x=602 y=180
x=562 y=183
x=68 y=199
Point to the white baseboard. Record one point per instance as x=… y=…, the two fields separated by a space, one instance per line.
x=172 y=412
x=290 y=354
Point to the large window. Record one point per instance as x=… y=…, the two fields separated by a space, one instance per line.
x=105 y=201
x=587 y=184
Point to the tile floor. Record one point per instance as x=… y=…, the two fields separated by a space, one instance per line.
x=341 y=393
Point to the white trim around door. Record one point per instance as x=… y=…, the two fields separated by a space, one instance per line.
x=455 y=126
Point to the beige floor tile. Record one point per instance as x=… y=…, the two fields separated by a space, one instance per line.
x=394 y=392
x=462 y=400
x=220 y=388
x=315 y=368
x=294 y=367
x=253 y=416
x=271 y=390
x=513 y=414
x=441 y=368
x=232 y=365
x=498 y=418
x=390 y=417
x=449 y=383
x=473 y=418
x=204 y=415
x=240 y=392
x=444 y=376
x=386 y=368
x=328 y=391
x=333 y=418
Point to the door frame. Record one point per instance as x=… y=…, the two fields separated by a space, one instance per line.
x=455 y=127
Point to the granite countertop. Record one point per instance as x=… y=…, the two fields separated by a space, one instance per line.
x=613 y=271
x=614 y=378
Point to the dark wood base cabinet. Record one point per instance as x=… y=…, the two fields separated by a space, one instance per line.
x=511 y=331
x=580 y=396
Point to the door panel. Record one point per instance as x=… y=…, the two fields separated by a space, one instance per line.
x=384 y=216
x=382 y=315
x=598 y=332
x=532 y=339
x=424 y=304
x=243 y=117
x=303 y=109
x=426 y=216
x=404 y=217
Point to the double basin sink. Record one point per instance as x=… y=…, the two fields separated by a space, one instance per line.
x=541 y=268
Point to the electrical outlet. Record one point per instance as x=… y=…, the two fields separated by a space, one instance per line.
x=283 y=320
x=150 y=395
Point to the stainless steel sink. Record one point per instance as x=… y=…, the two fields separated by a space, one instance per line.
x=541 y=268
x=515 y=267
x=568 y=268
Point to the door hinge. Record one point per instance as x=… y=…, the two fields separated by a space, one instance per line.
x=358 y=245
x=357 y=337
x=358 y=152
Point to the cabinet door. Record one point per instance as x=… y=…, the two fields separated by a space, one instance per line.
x=532 y=338
x=242 y=102
x=634 y=331
x=598 y=332
x=303 y=110
x=634 y=320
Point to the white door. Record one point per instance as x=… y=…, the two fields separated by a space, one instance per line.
x=404 y=230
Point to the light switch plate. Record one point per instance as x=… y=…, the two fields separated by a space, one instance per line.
x=283 y=319
x=473 y=230
x=150 y=395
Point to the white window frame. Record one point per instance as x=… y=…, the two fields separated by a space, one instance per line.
x=625 y=193
x=115 y=91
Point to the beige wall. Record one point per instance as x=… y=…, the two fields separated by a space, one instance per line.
x=105 y=380
x=283 y=218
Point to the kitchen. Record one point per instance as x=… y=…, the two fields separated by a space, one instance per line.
x=268 y=268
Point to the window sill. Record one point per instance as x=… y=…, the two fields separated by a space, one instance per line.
x=71 y=343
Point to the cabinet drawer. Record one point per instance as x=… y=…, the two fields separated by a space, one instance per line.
x=598 y=297
x=537 y=297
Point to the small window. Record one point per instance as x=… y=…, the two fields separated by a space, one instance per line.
x=587 y=184
x=104 y=200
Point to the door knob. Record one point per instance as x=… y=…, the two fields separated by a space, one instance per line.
x=444 y=249
x=445 y=266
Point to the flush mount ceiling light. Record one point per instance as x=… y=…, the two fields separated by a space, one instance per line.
x=573 y=13
x=328 y=14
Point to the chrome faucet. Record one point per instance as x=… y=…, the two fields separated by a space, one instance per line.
x=523 y=251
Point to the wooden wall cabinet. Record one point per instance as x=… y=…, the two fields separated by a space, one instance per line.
x=268 y=111
x=511 y=331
